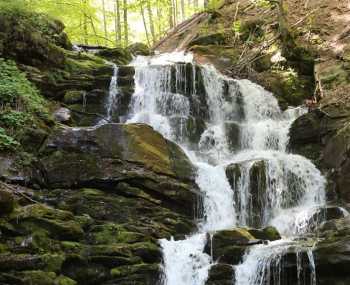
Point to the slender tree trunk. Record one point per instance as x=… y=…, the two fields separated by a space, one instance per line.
x=159 y=17
x=195 y=4
x=183 y=16
x=126 y=25
x=174 y=12
x=117 y=25
x=85 y=24
x=151 y=24
x=104 y=21
x=170 y=14
x=144 y=23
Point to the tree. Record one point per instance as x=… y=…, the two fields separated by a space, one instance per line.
x=151 y=24
x=126 y=25
x=117 y=23
x=104 y=22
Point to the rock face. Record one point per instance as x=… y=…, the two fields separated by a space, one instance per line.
x=109 y=193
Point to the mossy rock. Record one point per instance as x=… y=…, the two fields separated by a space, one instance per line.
x=139 y=49
x=268 y=233
x=58 y=224
x=112 y=233
x=220 y=274
x=7 y=202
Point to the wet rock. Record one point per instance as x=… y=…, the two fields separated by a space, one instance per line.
x=139 y=49
x=63 y=115
x=269 y=233
x=117 y=55
x=232 y=131
x=7 y=202
x=257 y=188
x=228 y=246
x=220 y=274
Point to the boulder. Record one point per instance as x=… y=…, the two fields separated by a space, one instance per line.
x=107 y=155
x=6 y=202
x=228 y=246
x=220 y=274
x=62 y=115
x=139 y=49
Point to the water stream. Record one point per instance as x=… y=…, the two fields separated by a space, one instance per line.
x=228 y=124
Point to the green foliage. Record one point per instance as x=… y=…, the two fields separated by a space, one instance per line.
x=20 y=105
x=13 y=119
x=7 y=142
x=16 y=91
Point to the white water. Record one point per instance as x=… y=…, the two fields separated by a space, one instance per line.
x=294 y=187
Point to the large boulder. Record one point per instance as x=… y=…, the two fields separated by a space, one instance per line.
x=110 y=154
x=229 y=246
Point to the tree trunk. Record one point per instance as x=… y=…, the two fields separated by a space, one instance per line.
x=170 y=14
x=126 y=26
x=117 y=25
x=144 y=23
x=151 y=24
x=183 y=16
x=85 y=24
x=104 y=21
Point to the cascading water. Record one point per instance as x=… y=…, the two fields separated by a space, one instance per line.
x=225 y=124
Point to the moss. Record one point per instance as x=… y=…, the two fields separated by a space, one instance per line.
x=53 y=262
x=57 y=223
x=64 y=280
x=37 y=277
x=112 y=233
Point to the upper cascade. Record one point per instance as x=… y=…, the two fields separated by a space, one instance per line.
x=237 y=136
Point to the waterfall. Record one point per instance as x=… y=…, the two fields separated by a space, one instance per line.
x=237 y=136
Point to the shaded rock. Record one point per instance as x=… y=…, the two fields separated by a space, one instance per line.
x=139 y=274
x=228 y=246
x=220 y=274
x=269 y=233
x=117 y=55
x=58 y=224
x=139 y=49
x=62 y=115
x=216 y=38
x=6 y=202
x=232 y=131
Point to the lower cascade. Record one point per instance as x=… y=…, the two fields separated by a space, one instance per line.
x=237 y=136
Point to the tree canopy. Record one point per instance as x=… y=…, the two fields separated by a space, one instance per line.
x=114 y=22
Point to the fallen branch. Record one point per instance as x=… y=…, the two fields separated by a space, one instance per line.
x=16 y=192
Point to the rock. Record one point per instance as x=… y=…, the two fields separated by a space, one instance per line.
x=105 y=154
x=269 y=233
x=257 y=188
x=119 y=56
x=220 y=274
x=62 y=115
x=232 y=131
x=74 y=96
x=6 y=202
x=58 y=224
x=211 y=39
x=228 y=246
x=142 y=273
x=139 y=49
